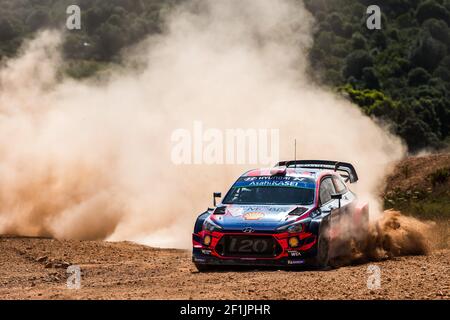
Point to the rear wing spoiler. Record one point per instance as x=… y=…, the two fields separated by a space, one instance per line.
x=347 y=168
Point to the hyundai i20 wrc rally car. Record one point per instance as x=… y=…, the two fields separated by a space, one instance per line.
x=296 y=213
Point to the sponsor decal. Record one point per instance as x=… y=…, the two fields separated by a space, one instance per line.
x=296 y=261
x=294 y=254
x=275 y=181
x=266 y=208
x=253 y=215
x=237 y=211
x=199 y=259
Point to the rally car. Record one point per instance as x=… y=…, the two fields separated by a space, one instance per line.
x=296 y=213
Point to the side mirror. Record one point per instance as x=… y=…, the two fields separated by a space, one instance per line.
x=216 y=195
x=337 y=196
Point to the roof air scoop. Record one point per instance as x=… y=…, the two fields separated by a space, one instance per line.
x=220 y=210
x=278 y=171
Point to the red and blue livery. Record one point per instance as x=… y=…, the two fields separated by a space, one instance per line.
x=293 y=214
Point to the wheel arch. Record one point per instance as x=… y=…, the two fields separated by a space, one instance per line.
x=199 y=221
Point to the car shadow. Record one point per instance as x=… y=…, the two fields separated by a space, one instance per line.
x=248 y=269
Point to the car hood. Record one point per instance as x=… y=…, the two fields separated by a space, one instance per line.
x=258 y=217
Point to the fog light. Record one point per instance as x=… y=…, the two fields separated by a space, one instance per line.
x=207 y=240
x=293 y=242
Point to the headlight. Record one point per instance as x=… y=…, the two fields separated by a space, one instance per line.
x=210 y=226
x=295 y=227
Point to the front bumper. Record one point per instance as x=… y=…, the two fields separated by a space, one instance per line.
x=284 y=256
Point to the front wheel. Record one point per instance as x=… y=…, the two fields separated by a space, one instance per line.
x=203 y=267
x=322 y=260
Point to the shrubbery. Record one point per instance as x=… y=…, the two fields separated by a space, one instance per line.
x=108 y=25
x=400 y=73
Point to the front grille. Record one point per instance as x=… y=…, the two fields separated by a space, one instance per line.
x=248 y=246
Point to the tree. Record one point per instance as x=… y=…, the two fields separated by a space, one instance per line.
x=418 y=76
x=110 y=40
x=417 y=134
x=93 y=19
x=428 y=52
x=355 y=62
x=37 y=19
x=431 y=9
x=7 y=31
x=358 y=41
x=370 y=78
x=438 y=29
x=443 y=70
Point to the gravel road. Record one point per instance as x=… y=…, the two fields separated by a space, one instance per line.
x=35 y=268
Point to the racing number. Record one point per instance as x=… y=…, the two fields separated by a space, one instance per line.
x=256 y=245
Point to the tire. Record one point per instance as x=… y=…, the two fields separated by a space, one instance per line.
x=322 y=259
x=203 y=267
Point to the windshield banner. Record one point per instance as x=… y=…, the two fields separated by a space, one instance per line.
x=275 y=181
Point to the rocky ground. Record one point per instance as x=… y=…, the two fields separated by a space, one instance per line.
x=35 y=268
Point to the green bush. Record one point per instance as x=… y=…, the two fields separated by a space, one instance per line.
x=355 y=62
x=418 y=76
x=431 y=9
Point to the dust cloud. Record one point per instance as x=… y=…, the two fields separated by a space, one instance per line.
x=395 y=235
x=91 y=159
x=391 y=234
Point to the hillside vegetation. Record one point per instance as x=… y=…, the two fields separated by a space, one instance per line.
x=399 y=75
x=420 y=186
x=107 y=27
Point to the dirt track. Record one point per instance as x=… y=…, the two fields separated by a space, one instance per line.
x=129 y=271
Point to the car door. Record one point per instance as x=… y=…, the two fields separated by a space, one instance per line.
x=328 y=206
x=342 y=219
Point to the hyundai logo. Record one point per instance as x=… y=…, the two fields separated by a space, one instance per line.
x=248 y=230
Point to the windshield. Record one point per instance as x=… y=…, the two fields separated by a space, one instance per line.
x=271 y=190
